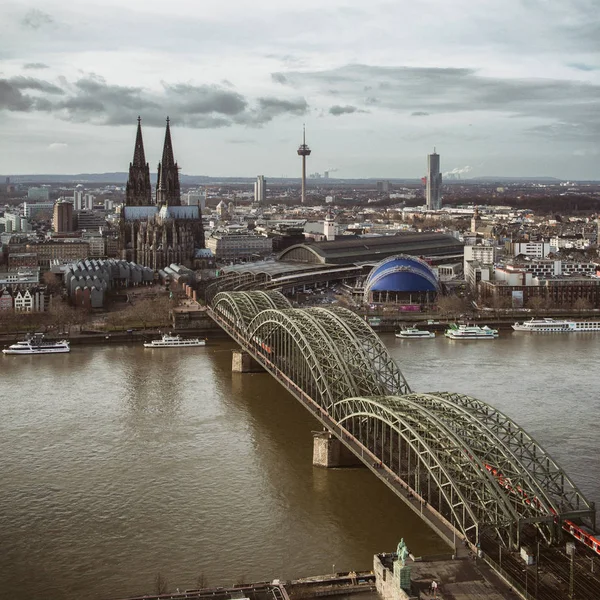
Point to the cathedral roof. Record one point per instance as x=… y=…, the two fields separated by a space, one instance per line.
x=137 y=213
x=179 y=212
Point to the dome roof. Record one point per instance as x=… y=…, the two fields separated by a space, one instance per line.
x=401 y=274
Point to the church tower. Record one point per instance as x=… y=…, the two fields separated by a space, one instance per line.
x=167 y=184
x=139 y=190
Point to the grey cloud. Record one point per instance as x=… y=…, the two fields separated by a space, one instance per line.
x=419 y=113
x=456 y=90
x=269 y=107
x=278 y=106
x=583 y=67
x=279 y=78
x=29 y=83
x=338 y=110
x=207 y=99
x=12 y=97
x=33 y=66
x=91 y=99
x=35 y=19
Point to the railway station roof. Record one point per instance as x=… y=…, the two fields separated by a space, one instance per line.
x=364 y=249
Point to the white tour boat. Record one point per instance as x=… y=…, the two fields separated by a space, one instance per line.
x=174 y=341
x=413 y=332
x=552 y=326
x=470 y=332
x=35 y=344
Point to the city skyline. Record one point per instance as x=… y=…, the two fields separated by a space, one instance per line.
x=512 y=93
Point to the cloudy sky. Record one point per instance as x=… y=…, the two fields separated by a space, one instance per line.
x=499 y=87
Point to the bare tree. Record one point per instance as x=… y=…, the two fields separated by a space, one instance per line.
x=582 y=304
x=52 y=283
x=201 y=581
x=536 y=303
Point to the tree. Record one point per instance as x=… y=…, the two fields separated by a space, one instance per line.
x=52 y=283
x=582 y=304
x=536 y=303
x=451 y=305
x=62 y=315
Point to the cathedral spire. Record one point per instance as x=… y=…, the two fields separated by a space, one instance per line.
x=167 y=156
x=138 y=191
x=139 y=157
x=167 y=185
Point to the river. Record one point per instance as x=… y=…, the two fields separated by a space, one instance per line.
x=117 y=463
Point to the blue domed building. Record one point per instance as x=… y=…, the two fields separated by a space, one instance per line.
x=401 y=279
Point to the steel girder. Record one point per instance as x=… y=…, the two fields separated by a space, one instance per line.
x=301 y=346
x=534 y=470
x=239 y=308
x=387 y=369
x=433 y=459
x=363 y=348
x=483 y=471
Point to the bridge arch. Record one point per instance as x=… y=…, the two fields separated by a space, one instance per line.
x=301 y=348
x=239 y=308
x=433 y=460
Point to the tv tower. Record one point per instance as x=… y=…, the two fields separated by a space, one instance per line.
x=303 y=151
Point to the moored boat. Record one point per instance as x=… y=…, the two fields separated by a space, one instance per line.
x=414 y=333
x=557 y=326
x=175 y=341
x=470 y=332
x=35 y=344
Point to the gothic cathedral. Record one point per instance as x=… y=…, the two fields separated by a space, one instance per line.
x=157 y=234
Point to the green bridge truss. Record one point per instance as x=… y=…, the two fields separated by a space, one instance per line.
x=481 y=471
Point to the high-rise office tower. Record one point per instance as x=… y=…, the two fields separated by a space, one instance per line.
x=303 y=151
x=78 y=200
x=62 y=221
x=434 y=182
x=260 y=189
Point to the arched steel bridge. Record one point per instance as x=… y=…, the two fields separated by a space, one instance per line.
x=478 y=471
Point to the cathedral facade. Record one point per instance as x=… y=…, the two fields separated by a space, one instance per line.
x=158 y=233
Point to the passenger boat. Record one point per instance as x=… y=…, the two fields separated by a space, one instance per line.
x=174 y=341
x=556 y=326
x=35 y=344
x=470 y=332
x=413 y=332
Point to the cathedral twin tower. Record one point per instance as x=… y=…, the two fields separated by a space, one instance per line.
x=139 y=190
x=157 y=234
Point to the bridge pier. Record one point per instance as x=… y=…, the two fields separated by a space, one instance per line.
x=242 y=362
x=329 y=452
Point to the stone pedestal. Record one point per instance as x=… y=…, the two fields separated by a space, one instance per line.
x=242 y=362
x=329 y=452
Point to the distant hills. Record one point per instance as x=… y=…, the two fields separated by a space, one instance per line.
x=120 y=178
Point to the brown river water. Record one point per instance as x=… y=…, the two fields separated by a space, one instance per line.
x=117 y=463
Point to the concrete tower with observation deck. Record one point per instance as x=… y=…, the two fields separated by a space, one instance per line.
x=303 y=151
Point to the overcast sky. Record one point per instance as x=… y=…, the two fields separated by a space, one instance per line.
x=499 y=87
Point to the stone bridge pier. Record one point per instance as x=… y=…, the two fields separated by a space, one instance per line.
x=242 y=362
x=329 y=452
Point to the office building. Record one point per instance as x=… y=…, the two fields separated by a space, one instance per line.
x=38 y=210
x=260 y=189
x=78 y=200
x=38 y=193
x=62 y=221
x=434 y=182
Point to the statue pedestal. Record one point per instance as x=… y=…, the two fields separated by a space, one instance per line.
x=402 y=576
